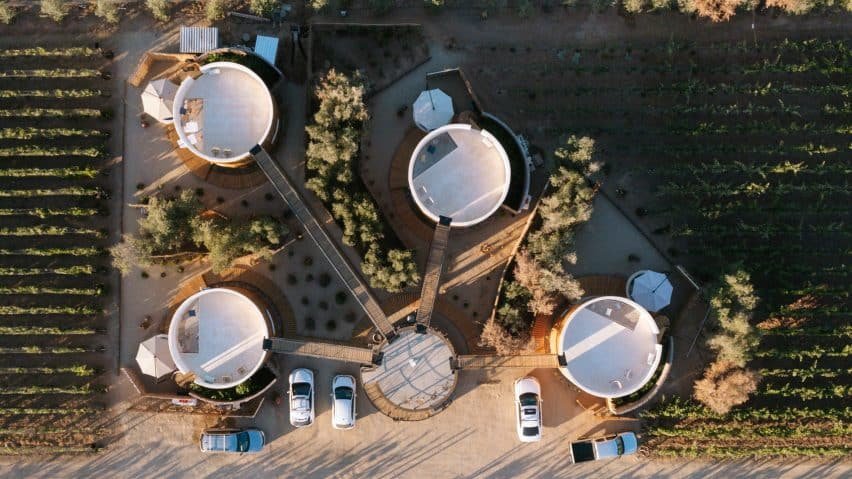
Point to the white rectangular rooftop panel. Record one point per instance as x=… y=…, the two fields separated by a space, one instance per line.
x=266 y=48
x=198 y=39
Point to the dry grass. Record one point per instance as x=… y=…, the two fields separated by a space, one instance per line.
x=725 y=385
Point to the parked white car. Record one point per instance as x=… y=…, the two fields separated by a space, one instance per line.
x=528 y=409
x=232 y=440
x=343 y=402
x=301 y=397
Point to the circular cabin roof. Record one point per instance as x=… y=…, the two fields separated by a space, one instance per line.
x=610 y=346
x=459 y=172
x=223 y=113
x=217 y=334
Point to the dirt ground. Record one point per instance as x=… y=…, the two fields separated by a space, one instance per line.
x=474 y=436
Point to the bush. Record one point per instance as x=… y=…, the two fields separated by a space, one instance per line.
x=107 y=9
x=715 y=10
x=795 y=7
x=317 y=5
x=393 y=272
x=56 y=10
x=634 y=6
x=7 y=13
x=324 y=280
x=262 y=8
x=494 y=336
x=733 y=303
x=340 y=297
x=160 y=9
x=215 y=9
x=380 y=7
x=724 y=386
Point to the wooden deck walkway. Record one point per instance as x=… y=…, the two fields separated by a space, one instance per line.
x=434 y=269
x=350 y=278
x=492 y=361
x=318 y=349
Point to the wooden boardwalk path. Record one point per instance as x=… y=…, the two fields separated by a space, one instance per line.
x=434 y=269
x=476 y=361
x=319 y=349
x=350 y=278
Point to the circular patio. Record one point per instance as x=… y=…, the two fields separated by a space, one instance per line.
x=415 y=379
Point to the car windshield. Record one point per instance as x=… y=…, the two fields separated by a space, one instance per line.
x=242 y=442
x=619 y=445
x=530 y=431
x=343 y=393
x=528 y=399
x=301 y=389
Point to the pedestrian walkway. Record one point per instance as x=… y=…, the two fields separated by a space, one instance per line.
x=434 y=269
x=317 y=349
x=493 y=361
x=335 y=257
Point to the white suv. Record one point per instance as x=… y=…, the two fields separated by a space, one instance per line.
x=343 y=402
x=528 y=409
x=301 y=397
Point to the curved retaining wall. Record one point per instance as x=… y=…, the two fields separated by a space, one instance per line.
x=647 y=397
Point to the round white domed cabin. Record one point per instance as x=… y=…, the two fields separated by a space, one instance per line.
x=217 y=336
x=223 y=111
x=460 y=172
x=609 y=346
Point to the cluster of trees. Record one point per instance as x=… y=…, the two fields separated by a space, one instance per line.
x=726 y=382
x=178 y=229
x=332 y=153
x=539 y=281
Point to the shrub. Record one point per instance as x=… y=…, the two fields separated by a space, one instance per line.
x=494 y=336
x=340 y=297
x=634 y=6
x=7 y=13
x=795 y=7
x=733 y=303
x=380 y=7
x=330 y=325
x=393 y=272
x=262 y=7
x=324 y=280
x=724 y=386
x=160 y=9
x=108 y=10
x=317 y=5
x=215 y=10
x=56 y=10
x=716 y=10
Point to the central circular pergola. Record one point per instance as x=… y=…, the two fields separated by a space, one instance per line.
x=415 y=375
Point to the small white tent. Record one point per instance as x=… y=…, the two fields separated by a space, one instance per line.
x=154 y=358
x=432 y=109
x=157 y=99
x=652 y=290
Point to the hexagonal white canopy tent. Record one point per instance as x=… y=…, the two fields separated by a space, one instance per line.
x=432 y=109
x=157 y=99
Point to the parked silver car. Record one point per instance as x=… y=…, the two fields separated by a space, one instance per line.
x=343 y=402
x=232 y=440
x=301 y=397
